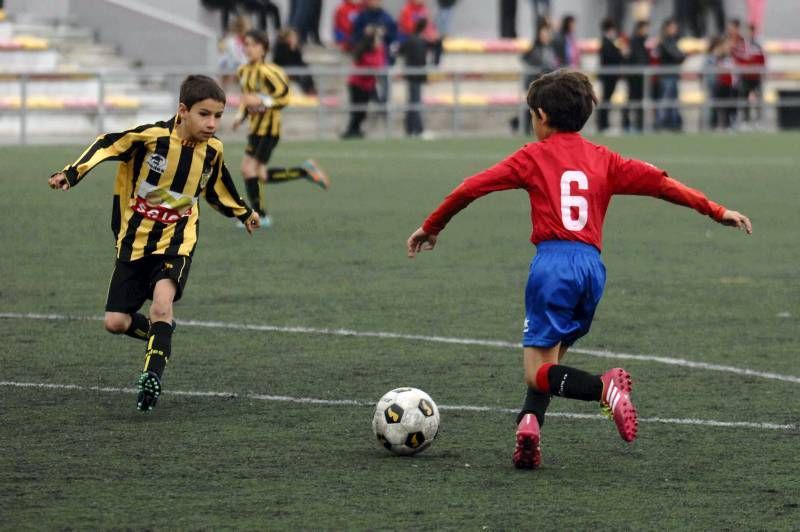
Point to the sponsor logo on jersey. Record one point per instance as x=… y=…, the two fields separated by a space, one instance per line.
x=162 y=205
x=157 y=163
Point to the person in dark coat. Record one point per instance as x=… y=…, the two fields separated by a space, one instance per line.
x=639 y=57
x=669 y=55
x=287 y=53
x=414 y=52
x=611 y=57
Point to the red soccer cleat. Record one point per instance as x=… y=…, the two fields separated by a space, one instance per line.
x=527 y=454
x=617 y=404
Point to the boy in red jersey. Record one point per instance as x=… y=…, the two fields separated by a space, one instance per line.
x=570 y=183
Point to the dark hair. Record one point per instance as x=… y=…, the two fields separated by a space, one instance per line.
x=260 y=37
x=735 y=22
x=197 y=88
x=608 y=24
x=565 y=23
x=641 y=25
x=566 y=96
x=420 y=25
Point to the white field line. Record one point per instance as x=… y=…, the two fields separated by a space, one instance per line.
x=436 y=339
x=353 y=402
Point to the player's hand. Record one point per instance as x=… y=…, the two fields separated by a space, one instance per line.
x=236 y=124
x=252 y=223
x=58 y=181
x=737 y=219
x=420 y=241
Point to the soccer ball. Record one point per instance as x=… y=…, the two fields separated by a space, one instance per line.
x=406 y=421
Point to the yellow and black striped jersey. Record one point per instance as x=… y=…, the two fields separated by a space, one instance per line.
x=159 y=181
x=264 y=79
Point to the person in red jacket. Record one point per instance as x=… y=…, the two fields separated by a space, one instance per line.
x=570 y=182
x=413 y=11
x=369 y=53
x=343 y=19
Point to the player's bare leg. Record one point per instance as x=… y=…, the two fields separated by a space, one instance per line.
x=135 y=325
x=254 y=174
x=159 y=344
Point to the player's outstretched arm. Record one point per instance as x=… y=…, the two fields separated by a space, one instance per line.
x=420 y=241
x=58 y=181
x=737 y=219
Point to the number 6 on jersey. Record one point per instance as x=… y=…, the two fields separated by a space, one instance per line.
x=569 y=201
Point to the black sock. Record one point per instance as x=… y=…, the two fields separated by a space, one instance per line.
x=159 y=346
x=536 y=403
x=253 y=188
x=140 y=326
x=282 y=175
x=574 y=383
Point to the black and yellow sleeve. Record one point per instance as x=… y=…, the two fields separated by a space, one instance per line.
x=276 y=84
x=108 y=147
x=221 y=194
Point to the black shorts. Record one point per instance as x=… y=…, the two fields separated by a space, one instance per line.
x=260 y=147
x=132 y=283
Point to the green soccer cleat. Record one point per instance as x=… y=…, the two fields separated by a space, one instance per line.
x=149 y=391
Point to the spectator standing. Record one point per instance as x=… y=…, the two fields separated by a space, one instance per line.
x=670 y=56
x=750 y=56
x=287 y=53
x=232 y=48
x=444 y=16
x=368 y=53
x=263 y=9
x=384 y=25
x=638 y=57
x=374 y=15
x=413 y=11
x=414 y=51
x=538 y=60
x=540 y=11
x=508 y=19
x=566 y=45
x=720 y=67
x=304 y=16
x=343 y=19
x=610 y=57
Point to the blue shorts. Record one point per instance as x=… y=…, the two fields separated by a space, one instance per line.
x=564 y=287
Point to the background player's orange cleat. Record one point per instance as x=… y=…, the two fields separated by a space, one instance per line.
x=317 y=174
x=617 y=404
x=527 y=454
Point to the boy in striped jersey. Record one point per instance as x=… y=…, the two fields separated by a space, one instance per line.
x=265 y=91
x=164 y=169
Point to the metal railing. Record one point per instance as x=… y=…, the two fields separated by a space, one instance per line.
x=454 y=94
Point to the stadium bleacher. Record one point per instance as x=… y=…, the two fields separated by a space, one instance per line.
x=60 y=63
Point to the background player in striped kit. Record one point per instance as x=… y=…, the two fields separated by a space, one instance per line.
x=164 y=168
x=265 y=92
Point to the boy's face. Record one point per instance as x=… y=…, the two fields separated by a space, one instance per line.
x=253 y=49
x=202 y=120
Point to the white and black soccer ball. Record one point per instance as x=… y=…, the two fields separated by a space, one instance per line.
x=406 y=421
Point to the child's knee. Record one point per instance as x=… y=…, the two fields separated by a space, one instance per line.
x=160 y=311
x=116 y=323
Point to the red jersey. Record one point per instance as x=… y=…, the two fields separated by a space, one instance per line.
x=570 y=182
